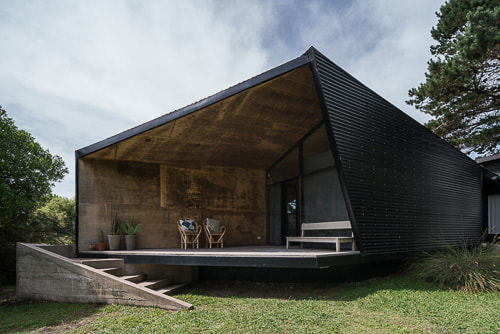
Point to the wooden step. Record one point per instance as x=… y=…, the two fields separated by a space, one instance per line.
x=172 y=288
x=156 y=284
x=113 y=271
x=134 y=278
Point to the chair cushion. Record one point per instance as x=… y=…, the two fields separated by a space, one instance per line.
x=213 y=225
x=187 y=224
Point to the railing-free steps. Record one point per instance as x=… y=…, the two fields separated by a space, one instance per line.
x=156 y=284
x=113 y=271
x=172 y=288
x=134 y=278
x=102 y=263
x=115 y=267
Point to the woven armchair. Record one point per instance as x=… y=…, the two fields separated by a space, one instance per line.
x=190 y=232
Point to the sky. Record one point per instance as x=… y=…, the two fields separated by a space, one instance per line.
x=75 y=72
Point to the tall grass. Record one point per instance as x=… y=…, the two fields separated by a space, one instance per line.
x=469 y=269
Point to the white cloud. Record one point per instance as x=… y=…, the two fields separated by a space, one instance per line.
x=75 y=72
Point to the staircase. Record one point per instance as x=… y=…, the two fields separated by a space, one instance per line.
x=50 y=273
x=115 y=267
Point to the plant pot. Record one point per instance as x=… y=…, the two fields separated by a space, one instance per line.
x=101 y=246
x=114 y=241
x=130 y=241
x=91 y=247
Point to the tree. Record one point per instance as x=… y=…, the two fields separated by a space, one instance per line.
x=27 y=174
x=53 y=223
x=462 y=80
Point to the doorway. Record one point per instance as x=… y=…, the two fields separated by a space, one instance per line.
x=289 y=210
x=283 y=211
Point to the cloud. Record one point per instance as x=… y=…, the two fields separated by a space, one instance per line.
x=75 y=72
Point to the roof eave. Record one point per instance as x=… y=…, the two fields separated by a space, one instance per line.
x=254 y=81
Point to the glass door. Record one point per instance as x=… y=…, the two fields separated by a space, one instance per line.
x=290 y=210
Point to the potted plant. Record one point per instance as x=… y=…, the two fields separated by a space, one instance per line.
x=114 y=237
x=130 y=232
x=101 y=245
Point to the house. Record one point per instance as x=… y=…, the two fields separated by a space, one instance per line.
x=301 y=143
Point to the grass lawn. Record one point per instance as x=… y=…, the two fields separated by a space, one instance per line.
x=389 y=305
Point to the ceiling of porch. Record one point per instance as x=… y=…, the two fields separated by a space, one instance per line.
x=250 y=129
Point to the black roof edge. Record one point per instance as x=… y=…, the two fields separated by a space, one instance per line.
x=488 y=158
x=249 y=83
x=313 y=51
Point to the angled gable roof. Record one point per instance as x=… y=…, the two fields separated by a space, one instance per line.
x=248 y=125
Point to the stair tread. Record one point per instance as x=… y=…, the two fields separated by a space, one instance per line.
x=101 y=263
x=171 y=288
x=81 y=259
x=134 y=278
x=154 y=281
x=131 y=276
x=155 y=284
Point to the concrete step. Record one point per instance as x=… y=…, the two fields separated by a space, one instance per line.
x=102 y=263
x=113 y=271
x=134 y=278
x=172 y=288
x=156 y=284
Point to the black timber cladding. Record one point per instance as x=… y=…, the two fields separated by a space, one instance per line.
x=405 y=188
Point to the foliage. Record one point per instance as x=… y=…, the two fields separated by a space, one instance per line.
x=53 y=224
x=462 y=82
x=27 y=174
x=128 y=227
x=470 y=269
x=391 y=305
x=115 y=225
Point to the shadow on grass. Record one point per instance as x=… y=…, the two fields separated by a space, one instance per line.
x=299 y=291
x=23 y=315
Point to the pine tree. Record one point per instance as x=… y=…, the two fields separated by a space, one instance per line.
x=462 y=82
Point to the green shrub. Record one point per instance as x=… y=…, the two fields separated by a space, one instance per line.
x=470 y=269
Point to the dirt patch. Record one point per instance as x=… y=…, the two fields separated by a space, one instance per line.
x=63 y=327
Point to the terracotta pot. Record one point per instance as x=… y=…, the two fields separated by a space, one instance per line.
x=91 y=247
x=101 y=246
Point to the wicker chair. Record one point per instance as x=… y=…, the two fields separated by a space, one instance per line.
x=214 y=232
x=190 y=232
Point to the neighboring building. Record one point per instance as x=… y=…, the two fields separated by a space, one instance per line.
x=301 y=143
x=492 y=165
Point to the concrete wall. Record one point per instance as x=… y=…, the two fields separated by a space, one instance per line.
x=44 y=275
x=156 y=196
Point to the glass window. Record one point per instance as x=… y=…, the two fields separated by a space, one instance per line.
x=323 y=199
x=286 y=169
x=317 y=152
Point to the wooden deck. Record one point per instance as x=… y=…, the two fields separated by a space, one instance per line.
x=256 y=256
